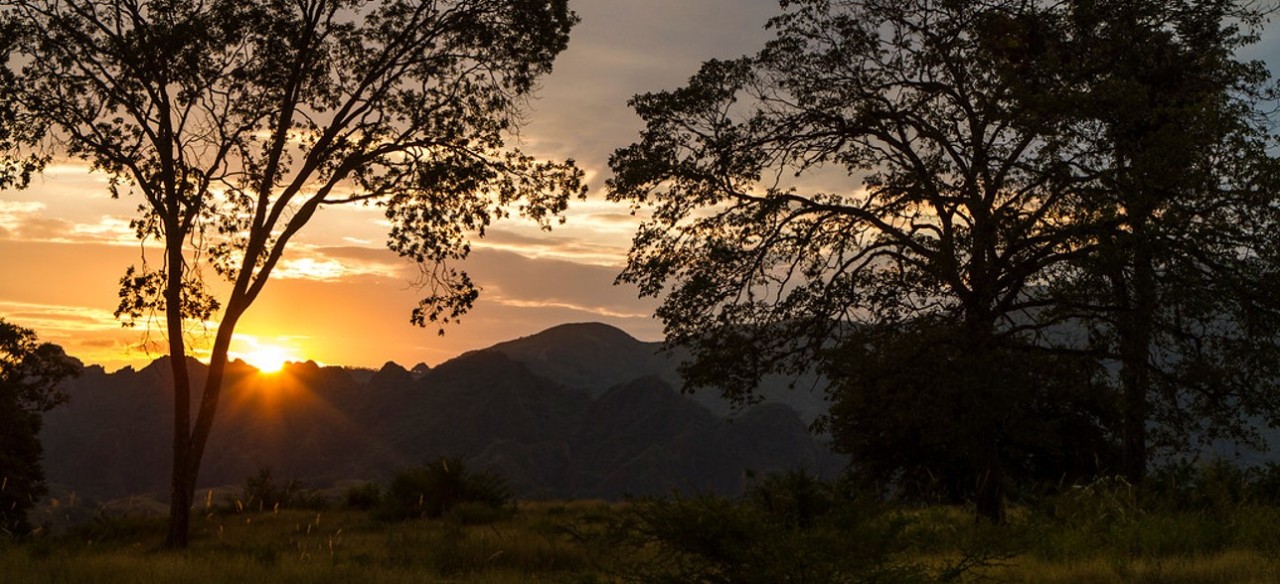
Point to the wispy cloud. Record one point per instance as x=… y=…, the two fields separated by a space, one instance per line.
x=334 y=263
x=590 y=310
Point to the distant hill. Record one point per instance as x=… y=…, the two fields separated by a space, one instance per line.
x=595 y=357
x=579 y=410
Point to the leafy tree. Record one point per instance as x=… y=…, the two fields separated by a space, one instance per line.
x=960 y=213
x=237 y=121
x=871 y=167
x=29 y=374
x=15 y=133
x=1179 y=290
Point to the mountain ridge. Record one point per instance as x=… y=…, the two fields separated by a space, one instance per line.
x=536 y=410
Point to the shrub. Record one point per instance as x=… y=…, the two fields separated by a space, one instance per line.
x=435 y=488
x=1216 y=485
x=797 y=498
x=363 y=497
x=261 y=493
x=789 y=527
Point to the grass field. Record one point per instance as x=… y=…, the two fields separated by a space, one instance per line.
x=577 y=542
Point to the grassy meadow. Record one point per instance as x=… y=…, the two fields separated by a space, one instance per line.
x=1093 y=534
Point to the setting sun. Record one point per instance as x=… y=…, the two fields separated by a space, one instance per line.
x=267 y=358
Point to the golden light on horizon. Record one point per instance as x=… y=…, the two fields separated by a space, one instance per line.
x=265 y=357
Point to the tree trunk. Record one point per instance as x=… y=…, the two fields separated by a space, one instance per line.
x=990 y=488
x=1135 y=341
x=989 y=498
x=180 y=487
x=985 y=407
x=209 y=400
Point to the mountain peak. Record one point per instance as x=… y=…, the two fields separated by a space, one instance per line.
x=597 y=332
x=587 y=355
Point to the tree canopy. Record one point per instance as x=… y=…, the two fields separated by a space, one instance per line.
x=235 y=122
x=1178 y=138
x=893 y=188
x=30 y=372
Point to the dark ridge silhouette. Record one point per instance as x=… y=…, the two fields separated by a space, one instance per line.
x=591 y=356
x=596 y=356
x=504 y=409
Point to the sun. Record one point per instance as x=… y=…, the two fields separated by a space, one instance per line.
x=268 y=358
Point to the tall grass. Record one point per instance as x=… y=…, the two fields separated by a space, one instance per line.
x=298 y=546
x=787 y=528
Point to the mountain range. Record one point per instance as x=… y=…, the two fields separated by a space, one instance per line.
x=577 y=411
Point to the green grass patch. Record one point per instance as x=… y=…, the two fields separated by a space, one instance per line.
x=699 y=539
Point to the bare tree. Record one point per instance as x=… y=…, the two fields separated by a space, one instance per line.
x=236 y=121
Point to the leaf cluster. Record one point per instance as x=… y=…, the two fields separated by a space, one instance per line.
x=29 y=376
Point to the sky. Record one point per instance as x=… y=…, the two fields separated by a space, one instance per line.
x=341 y=298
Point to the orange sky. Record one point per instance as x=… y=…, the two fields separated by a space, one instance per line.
x=341 y=298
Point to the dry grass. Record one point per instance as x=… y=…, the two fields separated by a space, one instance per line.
x=535 y=545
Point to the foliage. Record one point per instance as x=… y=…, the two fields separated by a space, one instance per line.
x=237 y=121
x=262 y=493
x=922 y=195
x=1214 y=486
x=17 y=134
x=903 y=416
x=302 y=546
x=870 y=167
x=434 y=489
x=363 y=497
x=538 y=544
x=1067 y=209
x=789 y=527
x=29 y=374
x=1176 y=130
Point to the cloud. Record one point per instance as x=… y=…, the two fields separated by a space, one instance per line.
x=14 y=214
x=57 y=316
x=90 y=334
x=625 y=219
x=597 y=311
x=31 y=221
x=529 y=282
x=326 y=270
x=333 y=263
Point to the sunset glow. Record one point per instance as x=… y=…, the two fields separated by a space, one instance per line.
x=339 y=296
x=267 y=358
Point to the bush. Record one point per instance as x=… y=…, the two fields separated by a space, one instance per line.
x=363 y=497
x=435 y=488
x=1216 y=485
x=261 y=493
x=796 y=498
x=789 y=527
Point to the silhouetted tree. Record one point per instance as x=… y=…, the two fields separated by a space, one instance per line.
x=1020 y=187
x=236 y=121
x=900 y=409
x=29 y=374
x=871 y=166
x=1179 y=291
x=16 y=165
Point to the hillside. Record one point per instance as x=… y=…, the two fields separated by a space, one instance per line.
x=595 y=357
x=577 y=411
